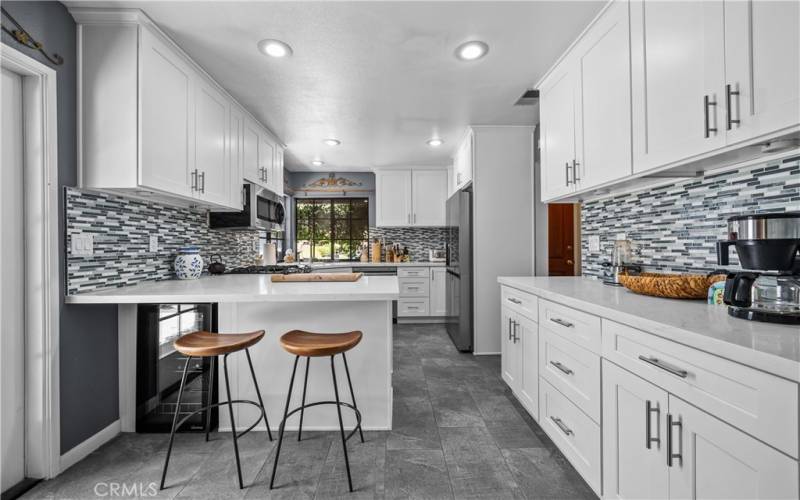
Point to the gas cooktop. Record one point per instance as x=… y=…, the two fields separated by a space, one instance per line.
x=295 y=269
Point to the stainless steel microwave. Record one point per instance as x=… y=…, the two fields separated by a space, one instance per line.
x=262 y=210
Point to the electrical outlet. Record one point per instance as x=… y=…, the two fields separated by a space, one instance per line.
x=154 y=243
x=82 y=244
x=594 y=243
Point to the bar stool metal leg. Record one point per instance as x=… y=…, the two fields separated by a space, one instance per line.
x=352 y=394
x=283 y=424
x=258 y=393
x=210 y=394
x=341 y=424
x=233 y=423
x=175 y=421
x=303 y=404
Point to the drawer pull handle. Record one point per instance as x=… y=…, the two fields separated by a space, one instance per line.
x=648 y=409
x=509 y=328
x=671 y=455
x=664 y=366
x=561 y=322
x=514 y=301
x=516 y=338
x=562 y=367
x=566 y=430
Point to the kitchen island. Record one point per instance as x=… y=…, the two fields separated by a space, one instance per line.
x=252 y=302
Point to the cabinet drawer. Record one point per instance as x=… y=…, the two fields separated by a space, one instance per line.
x=576 y=326
x=760 y=404
x=414 y=287
x=575 y=434
x=412 y=307
x=521 y=302
x=412 y=272
x=571 y=369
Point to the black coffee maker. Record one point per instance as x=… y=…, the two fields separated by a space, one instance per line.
x=767 y=246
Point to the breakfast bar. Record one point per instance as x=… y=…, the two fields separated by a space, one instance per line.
x=253 y=302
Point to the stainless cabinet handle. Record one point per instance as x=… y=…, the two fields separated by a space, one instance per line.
x=707 y=126
x=514 y=301
x=671 y=455
x=728 y=93
x=566 y=171
x=509 y=328
x=575 y=165
x=566 y=430
x=194 y=180
x=202 y=182
x=561 y=322
x=516 y=337
x=664 y=366
x=244 y=197
x=415 y=218
x=648 y=409
x=562 y=367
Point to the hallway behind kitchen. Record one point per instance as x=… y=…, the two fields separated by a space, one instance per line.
x=457 y=433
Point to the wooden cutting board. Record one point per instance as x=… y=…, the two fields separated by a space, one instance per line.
x=316 y=278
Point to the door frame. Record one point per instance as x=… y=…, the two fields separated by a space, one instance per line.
x=42 y=290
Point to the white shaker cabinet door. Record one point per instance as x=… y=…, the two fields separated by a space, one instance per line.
x=250 y=166
x=210 y=144
x=677 y=68
x=266 y=160
x=527 y=343
x=714 y=460
x=509 y=353
x=634 y=419
x=762 y=64
x=167 y=126
x=429 y=197
x=557 y=139
x=277 y=171
x=393 y=197
x=236 y=157
x=438 y=291
x=603 y=137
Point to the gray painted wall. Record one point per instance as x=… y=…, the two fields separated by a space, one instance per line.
x=88 y=346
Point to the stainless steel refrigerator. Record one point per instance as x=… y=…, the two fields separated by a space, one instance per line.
x=459 y=270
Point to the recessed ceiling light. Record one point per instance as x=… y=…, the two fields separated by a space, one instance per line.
x=434 y=142
x=469 y=51
x=332 y=142
x=317 y=163
x=274 y=48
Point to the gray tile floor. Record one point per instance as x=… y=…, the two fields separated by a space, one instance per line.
x=458 y=433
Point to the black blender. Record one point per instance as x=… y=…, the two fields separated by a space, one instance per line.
x=767 y=246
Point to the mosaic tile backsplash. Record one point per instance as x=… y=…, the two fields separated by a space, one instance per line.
x=418 y=239
x=122 y=229
x=674 y=228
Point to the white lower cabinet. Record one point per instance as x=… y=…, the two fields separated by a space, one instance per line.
x=438 y=294
x=642 y=417
x=658 y=446
x=422 y=292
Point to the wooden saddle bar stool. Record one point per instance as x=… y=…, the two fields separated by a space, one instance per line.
x=312 y=345
x=206 y=344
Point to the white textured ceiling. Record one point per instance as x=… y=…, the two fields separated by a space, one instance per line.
x=379 y=76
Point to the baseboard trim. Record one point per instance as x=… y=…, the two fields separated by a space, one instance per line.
x=485 y=353
x=83 y=450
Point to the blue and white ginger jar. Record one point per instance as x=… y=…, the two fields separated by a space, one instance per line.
x=188 y=263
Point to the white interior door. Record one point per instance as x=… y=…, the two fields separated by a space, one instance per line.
x=12 y=319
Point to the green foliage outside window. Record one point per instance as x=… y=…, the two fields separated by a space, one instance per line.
x=331 y=228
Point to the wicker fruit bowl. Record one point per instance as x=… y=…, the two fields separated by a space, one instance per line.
x=671 y=286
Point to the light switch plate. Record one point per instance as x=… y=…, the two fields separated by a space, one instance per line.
x=154 y=243
x=594 y=243
x=82 y=244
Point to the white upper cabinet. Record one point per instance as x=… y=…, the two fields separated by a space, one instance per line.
x=167 y=121
x=762 y=64
x=211 y=174
x=277 y=174
x=153 y=123
x=677 y=61
x=557 y=139
x=463 y=161
x=429 y=197
x=266 y=160
x=393 y=197
x=410 y=197
x=603 y=134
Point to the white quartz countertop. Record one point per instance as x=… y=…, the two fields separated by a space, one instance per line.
x=766 y=346
x=334 y=265
x=243 y=288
